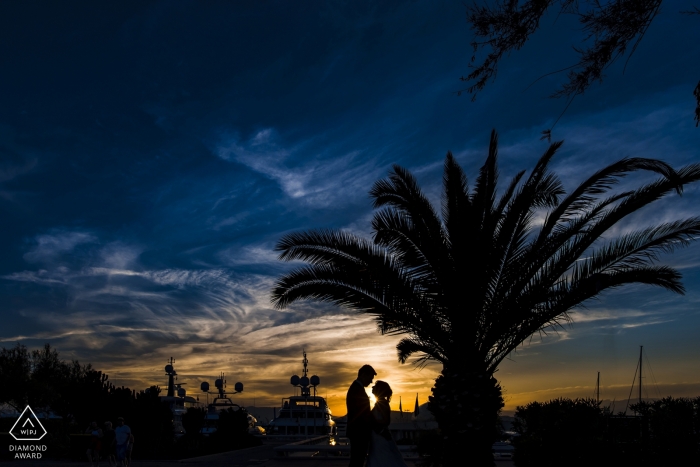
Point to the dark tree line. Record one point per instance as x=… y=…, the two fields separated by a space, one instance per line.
x=79 y=395
x=73 y=391
x=614 y=29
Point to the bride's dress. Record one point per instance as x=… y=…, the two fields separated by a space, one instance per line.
x=383 y=451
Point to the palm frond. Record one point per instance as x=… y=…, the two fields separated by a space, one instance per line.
x=324 y=247
x=636 y=200
x=508 y=194
x=456 y=203
x=591 y=286
x=409 y=346
x=638 y=248
x=541 y=189
x=396 y=232
x=484 y=195
x=395 y=306
x=543 y=254
x=401 y=191
x=603 y=180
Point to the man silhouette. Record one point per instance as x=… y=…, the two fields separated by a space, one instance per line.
x=360 y=420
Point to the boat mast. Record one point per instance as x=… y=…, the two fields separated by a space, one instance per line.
x=640 y=373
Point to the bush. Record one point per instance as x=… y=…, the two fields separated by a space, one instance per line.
x=579 y=432
x=558 y=432
x=672 y=431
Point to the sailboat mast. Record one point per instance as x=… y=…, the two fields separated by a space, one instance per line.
x=640 y=373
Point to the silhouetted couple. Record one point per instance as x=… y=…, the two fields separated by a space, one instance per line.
x=368 y=429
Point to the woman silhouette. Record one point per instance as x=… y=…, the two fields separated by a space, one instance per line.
x=382 y=449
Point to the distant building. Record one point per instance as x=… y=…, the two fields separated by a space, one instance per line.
x=405 y=426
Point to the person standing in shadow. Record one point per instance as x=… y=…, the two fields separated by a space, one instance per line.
x=360 y=419
x=109 y=445
x=93 y=452
x=123 y=435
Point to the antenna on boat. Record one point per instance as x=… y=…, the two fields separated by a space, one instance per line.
x=172 y=375
x=305 y=362
x=304 y=382
x=220 y=385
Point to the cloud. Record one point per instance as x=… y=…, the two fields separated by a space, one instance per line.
x=49 y=246
x=118 y=299
x=317 y=177
x=118 y=255
x=586 y=321
x=253 y=254
x=211 y=320
x=646 y=323
x=41 y=276
x=606 y=314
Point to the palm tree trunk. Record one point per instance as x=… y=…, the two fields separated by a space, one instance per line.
x=466 y=404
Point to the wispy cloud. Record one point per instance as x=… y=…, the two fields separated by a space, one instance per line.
x=315 y=176
x=586 y=321
x=253 y=254
x=48 y=246
x=606 y=314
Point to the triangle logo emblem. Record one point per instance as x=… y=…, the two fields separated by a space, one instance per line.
x=28 y=427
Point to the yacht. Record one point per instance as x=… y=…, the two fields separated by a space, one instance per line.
x=176 y=399
x=304 y=415
x=220 y=403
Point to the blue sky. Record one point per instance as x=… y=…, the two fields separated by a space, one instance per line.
x=152 y=153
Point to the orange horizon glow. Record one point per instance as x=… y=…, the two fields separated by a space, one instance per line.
x=338 y=346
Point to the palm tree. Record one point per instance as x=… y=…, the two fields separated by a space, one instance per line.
x=468 y=287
